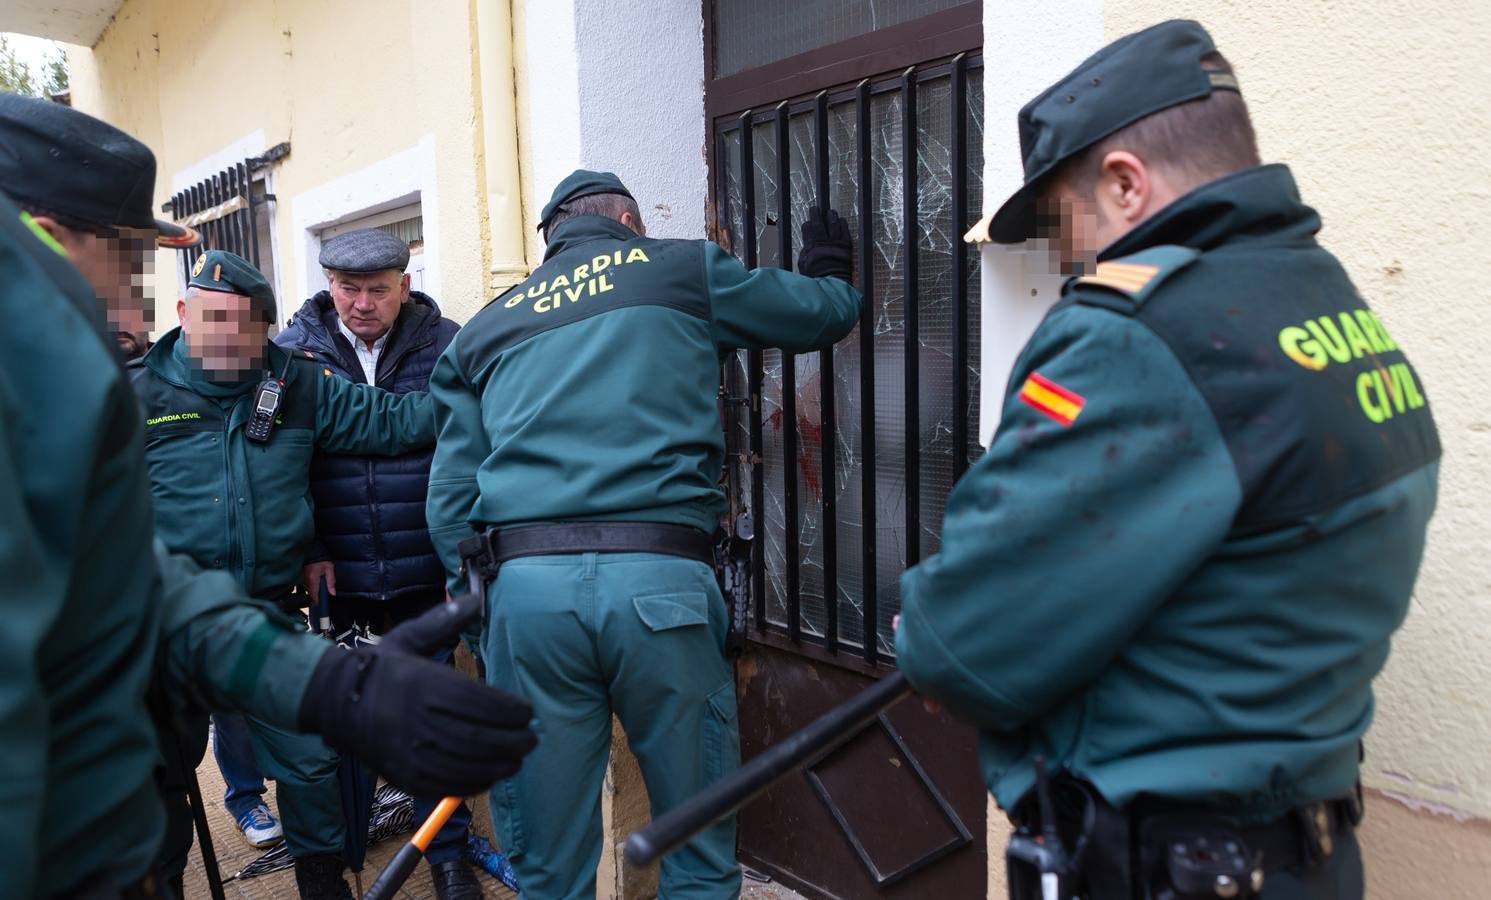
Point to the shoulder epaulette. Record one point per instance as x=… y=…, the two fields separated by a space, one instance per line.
x=1133 y=277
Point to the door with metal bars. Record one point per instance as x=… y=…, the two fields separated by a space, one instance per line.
x=230 y=209
x=840 y=462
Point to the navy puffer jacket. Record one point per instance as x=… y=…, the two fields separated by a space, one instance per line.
x=370 y=510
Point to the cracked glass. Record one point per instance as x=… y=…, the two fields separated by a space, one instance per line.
x=783 y=192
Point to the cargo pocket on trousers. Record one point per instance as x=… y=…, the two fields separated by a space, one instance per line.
x=721 y=733
x=674 y=609
x=507 y=818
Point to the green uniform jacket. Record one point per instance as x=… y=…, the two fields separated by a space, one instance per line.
x=589 y=390
x=1177 y=568
x=96 y=612
x=244 y=507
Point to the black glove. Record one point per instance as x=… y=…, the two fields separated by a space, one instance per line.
x=428 y=729
x=826 y=247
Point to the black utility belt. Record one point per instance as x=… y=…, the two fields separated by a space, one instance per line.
x=485 y=552
x=1165 y=851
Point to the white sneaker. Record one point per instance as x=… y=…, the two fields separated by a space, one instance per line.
x=259 y=827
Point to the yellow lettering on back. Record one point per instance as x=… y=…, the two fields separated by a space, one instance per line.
x=1364 y=387
x=559 y=282
x=582 y=272
x=600 y=262
x=1372 y=330
x=544 y=304
x=605 y=284
x=1354 y=337
x=636 y=255
x=573 y=294
x=539 y=290
x=514 y=300
x=1324 y=330
x=1303 y=349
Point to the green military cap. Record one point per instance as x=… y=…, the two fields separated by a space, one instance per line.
x=1131 y=78
x=581 y=183
x=229 y=273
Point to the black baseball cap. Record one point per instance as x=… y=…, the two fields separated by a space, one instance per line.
x=1133 y=77
x=69 y=163
x=577 y=184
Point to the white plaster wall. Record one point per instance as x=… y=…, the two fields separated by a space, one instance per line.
x=547 y=80
x=1382 y=110
x=1028 y=44
x=642 y=105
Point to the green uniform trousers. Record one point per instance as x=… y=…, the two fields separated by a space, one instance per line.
x=307 y=791
x=586 y=635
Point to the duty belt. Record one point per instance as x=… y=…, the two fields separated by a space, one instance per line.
x=483 y=554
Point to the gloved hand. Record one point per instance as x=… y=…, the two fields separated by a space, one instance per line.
x=826 y=247
x=428 y=729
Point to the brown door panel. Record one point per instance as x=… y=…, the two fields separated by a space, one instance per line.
x=906 y=790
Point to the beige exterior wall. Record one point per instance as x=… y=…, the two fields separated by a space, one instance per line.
x=348 y=84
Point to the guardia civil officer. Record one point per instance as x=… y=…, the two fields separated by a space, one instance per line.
x=113 y=648
x=579 y=433
x=1176 y=571
x=231 y=422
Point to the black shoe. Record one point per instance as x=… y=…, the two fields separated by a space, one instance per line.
x=320 y=878
x=454 y=880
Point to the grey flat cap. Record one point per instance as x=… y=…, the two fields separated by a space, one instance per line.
x=364 y=250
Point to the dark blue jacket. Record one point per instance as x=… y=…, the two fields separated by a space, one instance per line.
x=370 y=510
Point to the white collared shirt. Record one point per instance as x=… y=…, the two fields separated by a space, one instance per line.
x=368 y=358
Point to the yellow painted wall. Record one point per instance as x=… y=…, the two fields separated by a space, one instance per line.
x=346 y=83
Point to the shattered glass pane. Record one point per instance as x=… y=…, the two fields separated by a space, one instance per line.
x=935 y=290
x=937 y=235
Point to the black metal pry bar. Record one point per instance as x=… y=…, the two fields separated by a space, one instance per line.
x=673 y=829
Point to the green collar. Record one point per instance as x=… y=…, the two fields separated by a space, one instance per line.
x=168 y=359
x=582 y=229
x=1257 y=202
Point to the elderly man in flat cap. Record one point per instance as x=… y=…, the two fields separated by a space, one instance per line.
x=372 y=548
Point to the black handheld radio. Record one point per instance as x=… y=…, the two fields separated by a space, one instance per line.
x=267 y=399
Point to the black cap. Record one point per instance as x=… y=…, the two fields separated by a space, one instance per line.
x=1131 y=78
x=229 y=273
x=363 y=251
x=67 y=162
x=581 y=183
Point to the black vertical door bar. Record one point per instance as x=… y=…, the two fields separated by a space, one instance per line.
x=196 y=205
x=246 y=175
x=867 y=371
x=827 y=434
x=790 y=539
x=235 y=218
x=757 y=377
x=177 y=213
x=961 y=300
x=911 y=233
x=215 y=197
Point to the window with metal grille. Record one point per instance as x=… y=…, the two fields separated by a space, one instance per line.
x=231 y=210
x=841 y=461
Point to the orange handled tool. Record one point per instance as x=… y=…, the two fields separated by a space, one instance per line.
x=402 y=865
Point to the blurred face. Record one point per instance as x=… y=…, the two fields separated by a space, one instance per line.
x=120 y=264
x=368 y=304
x=1073 y=225
x=225 y=338
x=1082 y=223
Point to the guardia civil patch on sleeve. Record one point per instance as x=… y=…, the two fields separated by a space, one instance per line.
x=1051 y=399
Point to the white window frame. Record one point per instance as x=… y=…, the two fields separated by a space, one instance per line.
x=397 y=181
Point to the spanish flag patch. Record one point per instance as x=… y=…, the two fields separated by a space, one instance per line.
x=1046 y=396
